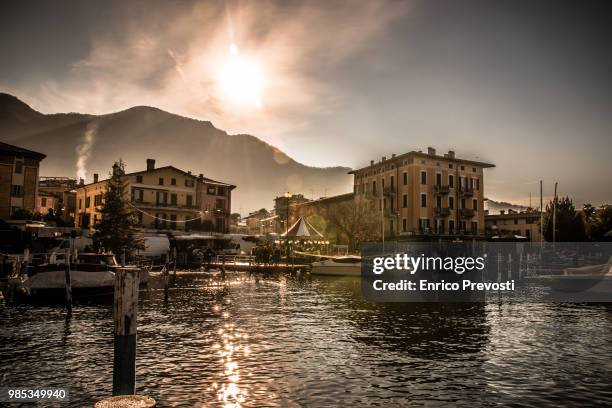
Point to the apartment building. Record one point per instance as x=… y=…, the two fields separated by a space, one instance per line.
x=57 y=194
x=514 y=223
x=421 y=193
x=164 y=198
x=19 y=171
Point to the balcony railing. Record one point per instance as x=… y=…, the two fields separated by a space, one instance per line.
x=441 y=189
x=466 y=192
x=389 y=191
x=466 y=213
x=442 y=211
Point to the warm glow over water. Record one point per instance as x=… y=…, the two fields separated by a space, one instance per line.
x=296 y=340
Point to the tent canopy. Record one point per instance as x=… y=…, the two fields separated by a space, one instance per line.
x=303 y=229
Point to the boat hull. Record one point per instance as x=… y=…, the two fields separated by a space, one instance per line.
x=332 y=268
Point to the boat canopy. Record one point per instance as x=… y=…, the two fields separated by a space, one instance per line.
x=303 y=229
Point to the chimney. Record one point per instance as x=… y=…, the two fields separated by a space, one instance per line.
x=431 y=151
x=393 y=155
x=502 y=212
x=201 y=176
x=371 y=162
x=95 y=177
x=451 y=154
x=81 y=182
x=150 y=164
x=384 y=158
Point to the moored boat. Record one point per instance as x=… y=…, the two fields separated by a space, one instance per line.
x=338 y=266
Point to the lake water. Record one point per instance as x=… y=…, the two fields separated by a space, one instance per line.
x=297 y=340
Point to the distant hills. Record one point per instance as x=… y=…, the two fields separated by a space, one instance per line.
x=74 y=141
x=495 y=207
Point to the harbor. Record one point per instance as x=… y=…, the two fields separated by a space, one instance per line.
x=295 y=339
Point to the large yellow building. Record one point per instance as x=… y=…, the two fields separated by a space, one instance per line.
x=425 y=194
x=163 y=198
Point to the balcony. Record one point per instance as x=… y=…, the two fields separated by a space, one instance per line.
x=442 y=212
x=466 y=213
x=389 y=191
x=466 y=192
x=441 y=189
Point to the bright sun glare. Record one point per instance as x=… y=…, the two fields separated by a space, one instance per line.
x=240 y=79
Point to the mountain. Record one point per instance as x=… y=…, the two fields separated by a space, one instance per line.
x=494 y=207
x=91 y=143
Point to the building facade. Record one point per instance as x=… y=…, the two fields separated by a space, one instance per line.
x=58 y=195
x=420 y=193
x=164 y=198
x=524 y=223
x=19 y=172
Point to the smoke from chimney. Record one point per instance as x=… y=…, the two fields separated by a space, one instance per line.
x=83 y=150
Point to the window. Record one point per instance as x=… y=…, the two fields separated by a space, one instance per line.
x=392 y=183
x=18 y=167
x=173 y=221
x=438 y=202
x=423 y=177
x=475 y=204
x=477 y=184
x=451 y=181
x=438 y=179
x=424 y=224
x=424 y=200
x=173 y=181
x=161 y=181
x=382 y=182
x=450 y=165
x=471 y=184
x=463 y=204
x=189 y=183
x=43 y=201
x=219 y=204
x=80 y=203
x=211 y=190
x=87 y=202
x=474 y=227
x=139 y=179
x=138 y=195
x=189 y=199
x=474 y=169
x=462 y=167
x=139 y=215
x=405 y=178
x=391 y=226
x=405 y=201
x=173 y=199
x=16 y=191
x=451 y=226
x=221 y=191
x=373 y=187
x=515 y=221
x=404 y=226
x=97 y=200
x=451 y=202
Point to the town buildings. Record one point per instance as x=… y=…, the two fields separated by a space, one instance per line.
x=283 y=207
x=420 y=193
x=19 y=171
x=508 y=224
x=163 y=198
x=58 y=195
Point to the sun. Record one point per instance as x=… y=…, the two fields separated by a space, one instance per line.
x=240 y=79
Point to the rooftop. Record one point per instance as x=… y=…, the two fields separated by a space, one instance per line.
x=6 y=148
x=431 y=154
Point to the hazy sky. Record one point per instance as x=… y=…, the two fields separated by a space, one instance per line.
x=526 y=85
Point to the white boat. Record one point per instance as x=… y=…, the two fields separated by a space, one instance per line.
x=338 y=266
x=595 y=279
x=92 y=275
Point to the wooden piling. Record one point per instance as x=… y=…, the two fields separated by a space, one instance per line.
x=68 y=284
x=125 y=309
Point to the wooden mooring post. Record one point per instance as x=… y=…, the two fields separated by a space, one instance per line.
x=125 y=309
x=68 y=284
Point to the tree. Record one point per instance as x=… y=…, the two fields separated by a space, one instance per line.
x=355 y=220
x=235 y=218
x=116 y=230
x=601 y=222
x=570 y=226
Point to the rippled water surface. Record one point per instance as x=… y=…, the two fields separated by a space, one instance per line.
x=297 y=340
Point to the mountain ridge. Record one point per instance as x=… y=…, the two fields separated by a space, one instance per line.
x=260 y=170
